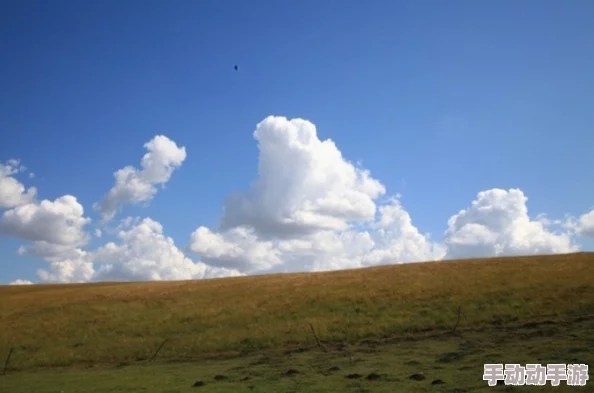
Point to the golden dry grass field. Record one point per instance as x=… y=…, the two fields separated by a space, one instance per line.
x=393 y=321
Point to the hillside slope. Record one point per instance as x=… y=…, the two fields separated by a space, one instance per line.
x=111 y=323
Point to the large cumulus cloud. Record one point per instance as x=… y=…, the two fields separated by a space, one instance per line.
x=309 y=209
x=304 y=184
x=497 y=223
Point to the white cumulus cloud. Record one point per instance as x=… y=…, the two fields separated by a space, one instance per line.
x=497 y=223
x=56 y=232
x=142 y=252
x=304 y=184
x=59 y=222
x=585 y=224
x=13 y=192
x=20 y=282
x=398 y=240
x=51 y=251
x=582 y=225
x=134 y=185
x=65 y=270
x=236 y=248
x=309 y=209
x=145 y=253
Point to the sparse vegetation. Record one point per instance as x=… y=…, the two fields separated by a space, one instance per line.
x=386 y=324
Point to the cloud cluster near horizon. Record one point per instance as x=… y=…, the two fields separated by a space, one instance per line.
x=309 y=209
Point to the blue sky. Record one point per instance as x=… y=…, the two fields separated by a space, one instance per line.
x=439 y=101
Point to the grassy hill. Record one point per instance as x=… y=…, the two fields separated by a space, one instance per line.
x=96 y=327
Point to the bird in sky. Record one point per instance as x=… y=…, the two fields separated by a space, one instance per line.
x=236 y=67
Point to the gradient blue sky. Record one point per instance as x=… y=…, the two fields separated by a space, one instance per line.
x=439 y=100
